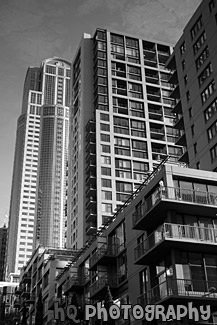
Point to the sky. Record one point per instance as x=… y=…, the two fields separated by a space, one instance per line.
x=33 y=30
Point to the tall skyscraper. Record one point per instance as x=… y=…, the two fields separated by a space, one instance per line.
x=41 y=128
x=195 y=72
x=121 y=125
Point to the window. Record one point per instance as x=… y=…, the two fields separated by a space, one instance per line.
x=188 y=96
x=104 y=127
x=135 y=90
x=140 y=166
x=183 y=65
x=138 y=128
x=124 y=187
x=197 y=26
x=213 y=152
x=182 y=48
x=106 y=195
x=208 y=91
x=104 y=117
x=106 y=160
x=122 y=142
x=212 y=131
x=202 y=58
x=106 y=182
x=201 y=40
x=107 y=207
x=192 y=130
x=123 y=164
x=105 y=148
x=205 y=74
x=106 y=171
x=137 y=108
x=211 y=109
x=105 y=137
x=139 y=145
x=185 y=79
x=190 y=112
x=195 y=148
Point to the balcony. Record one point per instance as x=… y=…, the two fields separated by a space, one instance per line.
x=91 y=229
x=31 y=299
x=157 y=133
x=155 y=114
x=174 y=78
x=169 y=235
x=177 y=106
x=91 y=136
x=104 y=255
x=181 y=290
x=91 y=126
x=175 y=93
x=153 y=95
x=99 y=287
x=26 y=295
x=155 y=206
x=150 y=62
x=184 y=157
x=91 y=146
x=90 y=157
x=17 y=302
x=90 y=191
x=26 y=277
x=91 y=216
x=91 y=179
x=91 y=203
x=75 y=283
x=179 y=122
x=181 y=140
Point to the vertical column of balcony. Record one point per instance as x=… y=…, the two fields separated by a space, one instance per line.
x=177 y=110
x=91 y=216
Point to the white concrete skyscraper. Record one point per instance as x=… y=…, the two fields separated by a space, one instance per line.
x=121 y=125
x=42 y=135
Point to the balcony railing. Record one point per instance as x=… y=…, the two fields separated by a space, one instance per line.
x=180 y=287
x=102 y=282
x=75 y=282
x=104 y=250
x=177 y=232
x=175 y=194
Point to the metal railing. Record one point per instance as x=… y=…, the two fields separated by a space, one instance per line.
x=179 y=287
x=104 y=250
x=176 y=231
x=174 y=194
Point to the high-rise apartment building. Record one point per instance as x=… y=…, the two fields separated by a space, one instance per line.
x=121 y=125
x=42 y=124
x=195 y=69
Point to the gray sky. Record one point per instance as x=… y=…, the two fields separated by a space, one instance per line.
x=33 y=30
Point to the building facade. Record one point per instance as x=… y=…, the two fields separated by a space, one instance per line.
x=43 y=120
x=37 y=284
x=160 y=249
x=195 y=69
x=121 y=125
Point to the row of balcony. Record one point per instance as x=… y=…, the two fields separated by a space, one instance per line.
x=100 y=285
x=173 y=198
x=76 y=283
x=169 y=235
x=180 y=288
x=105 y=254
